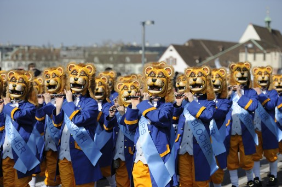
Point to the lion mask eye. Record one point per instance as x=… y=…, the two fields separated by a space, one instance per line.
x=21 y=80
x=192 y=74
x=152 y=74
x=125 y=88
x=200 y=74
x=54 y=75
x=259 y=73
x=238 y=69
x=82 y=73
x=161 y=75
x=74 y=72
x=245 y=69
x=13 y=79
x=47 y=76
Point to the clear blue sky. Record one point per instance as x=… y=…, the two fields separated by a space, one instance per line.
x=85 y=22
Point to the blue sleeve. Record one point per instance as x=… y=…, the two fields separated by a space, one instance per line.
x=109 y=123
x=268 y=102
x=131 y=118
x=2 y=122
x=177 y=111
x=48 y=108
x=83 y=116
x=159 y=116
x=249 y=101
x=201 y=111
x=222 y=110
x=58 y=119
x=24 y=115
x=279 y=103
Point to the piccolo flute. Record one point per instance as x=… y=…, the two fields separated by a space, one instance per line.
x=56 y=95
x=135 y=97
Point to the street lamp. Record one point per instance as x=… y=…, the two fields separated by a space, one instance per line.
x=247 y=46
x=143 y=23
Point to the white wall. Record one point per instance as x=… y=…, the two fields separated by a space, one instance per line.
x=171 y=52
x=250 y=33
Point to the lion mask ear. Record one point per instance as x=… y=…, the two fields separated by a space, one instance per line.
x=90 y=68
x=112 y=74
x=269 y=69
x=28 y=75
x=3 y=76
x=206 y=69
x=232 y=66
x=136 y=84
x=248 y=65
x=60 y=70
x=40 y=80
x=223 y=72
x=148 y=70
x=119 y=86
x=105 y=79
x=254 y=70
x=70 y=67
x=45 y=72
x=10 y=75
x=188 y=71
x=169 y=71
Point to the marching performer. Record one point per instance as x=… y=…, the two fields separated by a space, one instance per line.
x=77 y=119
x=19 y=159
x=218 y=132
x=243 y=136
x=153 y=155
x=195 y=158
x=123 y=138
x=54 y=80
x=105 y=128
x=266 y=128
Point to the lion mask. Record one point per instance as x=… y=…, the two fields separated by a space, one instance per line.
x=181 y=84
x=38 y=84
x=126 y=89
x=81 y=78
x=20 y=86
x=219 y=82
x=277 y=83
x=158 y=80
x=54 y=80
x=199 y=81
x=112 y=77
x=102 y=90
x=262 y=77
x=240 y=74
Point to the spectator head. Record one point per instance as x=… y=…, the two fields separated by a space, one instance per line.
x=31 y=66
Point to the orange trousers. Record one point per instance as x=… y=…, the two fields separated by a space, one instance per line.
x=280 y=147
x=269 y=154
x=67 y=175
x=122 y=179
x=217 y=177
x=51 y=166
x=10 y=176
x=141 y=175
x=106 y=171
x=246 y=161
x=186 y=171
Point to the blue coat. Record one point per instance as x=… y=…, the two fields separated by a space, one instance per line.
x=84 y=115
x=249 y=101
x=268 y=100
x=161 y=124
x=107 y=150
x=202 y=168
x=24 y=120
x=279 y=106
x=222 y=108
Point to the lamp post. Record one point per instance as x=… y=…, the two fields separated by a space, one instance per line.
x=143 y=23
x=247 y=46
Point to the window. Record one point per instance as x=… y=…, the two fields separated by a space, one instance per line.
x=171 y=61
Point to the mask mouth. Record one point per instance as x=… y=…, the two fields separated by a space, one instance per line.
x=279 y=87
x=155 y=88
x=15 y=92
x=180 y=88
x=128 y=98
x=51 y=87
x=196 y=86
x=76 y=86
x=242 y=78
x=217 y=86
x=263 y=82
x=99 y=94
